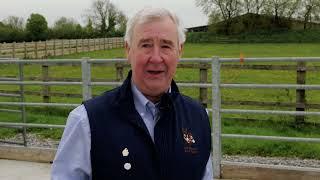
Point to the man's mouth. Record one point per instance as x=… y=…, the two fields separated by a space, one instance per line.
x=155 y=72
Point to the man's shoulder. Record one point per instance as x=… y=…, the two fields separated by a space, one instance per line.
x=189 y=102
x=106 y=98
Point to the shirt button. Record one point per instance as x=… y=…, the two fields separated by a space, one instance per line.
x=127 y=166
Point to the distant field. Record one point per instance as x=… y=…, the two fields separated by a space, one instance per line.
x=250 y=124
x=227 y=50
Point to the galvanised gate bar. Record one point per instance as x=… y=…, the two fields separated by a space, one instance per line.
x=216 y=95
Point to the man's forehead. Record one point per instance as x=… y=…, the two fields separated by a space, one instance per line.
x=147 y=32
x=150 y=40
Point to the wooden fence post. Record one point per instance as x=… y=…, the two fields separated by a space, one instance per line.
x=14 y=49
x=45 y=88
x=4 y=48
x=94 y=44
x=54 y=47
x=76 y=45
x=62 y=47
x=88 y=45
x=119 y=73
x=36 y=49
x=82 y=46
x=45 y=49
x=24 y=50
x=300 y=93
x=69 y=46
x=104 y=43
x=203 y=92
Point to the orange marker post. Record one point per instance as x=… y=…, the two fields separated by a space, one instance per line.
x=241 y=58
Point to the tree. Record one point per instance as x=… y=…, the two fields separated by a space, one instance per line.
x=104 y=15
x=310 y=10
x=14 y=22
x=280 y=9
x=89 y=29
x=37 y=27
x=66 y=28
x=228 y=9
x=253 y=6
x=12 y=29
x=121 y=23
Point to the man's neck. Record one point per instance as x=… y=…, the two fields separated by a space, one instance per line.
x=153 y=99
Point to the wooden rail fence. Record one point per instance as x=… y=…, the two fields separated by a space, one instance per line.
x=44 y=49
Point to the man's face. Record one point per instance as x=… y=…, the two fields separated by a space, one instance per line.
x=153 y=55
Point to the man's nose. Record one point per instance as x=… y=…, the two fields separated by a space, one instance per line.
x=156 y=55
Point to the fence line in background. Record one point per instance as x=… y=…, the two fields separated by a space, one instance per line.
x=44 y=49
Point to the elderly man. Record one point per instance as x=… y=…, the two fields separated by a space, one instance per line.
x=145 y=129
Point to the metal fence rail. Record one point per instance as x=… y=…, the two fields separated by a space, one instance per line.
x=216 y=105
x=216 y=110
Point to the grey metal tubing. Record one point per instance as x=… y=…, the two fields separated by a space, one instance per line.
x=271 y=86
x=241 y=111
x=94 y=61
x=203 y=60
x=38 y=61
x=179 y=84
x=4 y=124
x=9 y=79
x=86 y=79
x=216 y=118
x=106 y=83
x=9 y=95
x=103 y=61
x=58 y=83
x=196 y=60
x=277 y=138
x=204 y=85
x=10 y=110
x=38 y=104
x=8 y=58
x=276 y=59
x=22 y=99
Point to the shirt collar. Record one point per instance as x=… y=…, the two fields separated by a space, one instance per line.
x=140 y=101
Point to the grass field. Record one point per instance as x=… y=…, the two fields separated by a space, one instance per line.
x=243 y=124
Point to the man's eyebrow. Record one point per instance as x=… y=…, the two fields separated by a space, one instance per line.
x=145 y=41
x=167 y=42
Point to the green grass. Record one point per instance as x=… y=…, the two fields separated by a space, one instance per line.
x=243 y=124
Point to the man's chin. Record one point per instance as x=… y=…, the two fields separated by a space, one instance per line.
x=157 y=90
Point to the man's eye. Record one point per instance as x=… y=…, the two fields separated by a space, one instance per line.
x=166 y=46
x=146 y=45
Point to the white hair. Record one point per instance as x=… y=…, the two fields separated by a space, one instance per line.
x=148 y=14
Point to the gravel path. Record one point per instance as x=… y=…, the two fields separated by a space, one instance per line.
x=312 y=163
x=36 y=141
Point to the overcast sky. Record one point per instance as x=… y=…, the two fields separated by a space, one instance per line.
x=190 y=14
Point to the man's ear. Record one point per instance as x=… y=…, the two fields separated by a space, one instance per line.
x=181 y=49
x=127 y=49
